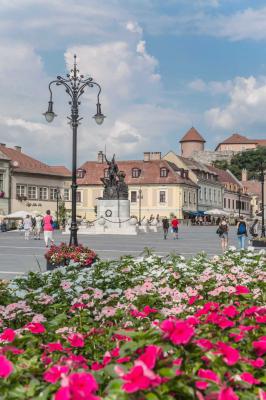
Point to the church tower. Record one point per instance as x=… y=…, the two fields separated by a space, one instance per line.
x=192 y=141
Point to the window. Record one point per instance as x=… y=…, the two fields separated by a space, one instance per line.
x=1 y=182
x=163 y=172
x=195 y=198
x=205 y=194
x=200 y=194
x=135 y=172
x=78 y=197
x=43 y=193
x=233 y=204
x=210 y=194
x=162 y=197
x=189 y=197
x=229 y=203
x=21 y=190
x=81 y=173
x=106 y=172
x=224 y=202
x=133 y=196
x=185 y=196
x=32 y=192
x=66 y=194
x=214 y=194
x=53 y=193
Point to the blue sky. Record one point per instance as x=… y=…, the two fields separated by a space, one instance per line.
x=163 y=65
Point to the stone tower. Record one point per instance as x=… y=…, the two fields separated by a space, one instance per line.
x=192 y=141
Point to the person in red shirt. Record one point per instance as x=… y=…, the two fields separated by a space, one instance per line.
x=175 y=224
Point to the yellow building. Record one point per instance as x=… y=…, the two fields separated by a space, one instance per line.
x=156 y=186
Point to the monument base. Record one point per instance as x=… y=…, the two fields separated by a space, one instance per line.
x=113 y=218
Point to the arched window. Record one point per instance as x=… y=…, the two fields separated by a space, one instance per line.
x=136 y=172
x=163 y=172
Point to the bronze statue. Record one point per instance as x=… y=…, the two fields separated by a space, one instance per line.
x=114 y=184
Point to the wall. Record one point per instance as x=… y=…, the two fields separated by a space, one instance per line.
x=188 y=148
x=236 y=147
x=5 y=170
x=39 y=181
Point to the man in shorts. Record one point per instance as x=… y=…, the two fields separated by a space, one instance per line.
x=175 y=224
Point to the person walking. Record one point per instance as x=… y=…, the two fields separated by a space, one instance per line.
x=254 y=229
x=165 y=223
x=27 y=224
x=48 y=228
x=175 y=224
x=223 y=233
x=241 y=232
x=38 y=228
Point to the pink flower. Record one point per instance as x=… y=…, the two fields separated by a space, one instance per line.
x=150 y=355
x=76 y=340
x=6 y=367
x=35 y=327
x=241 y=290
x=262 y=394
x=8 y=335
x=54 y=346
x=231 y=355
x=140 y=378
x=178 y=331
x=209 y=375
x=78 y=386
x=230 y=311
x=258 y=363
x=204 y=344
x=260 y=346
x=201 y=385
x=54 y=373
x=227 y=394
x=249 y=378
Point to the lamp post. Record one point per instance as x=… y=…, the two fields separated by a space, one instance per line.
x=58 y=197
x=262 y=201
x=239 y=201
x=140 y=197
x=74 y=85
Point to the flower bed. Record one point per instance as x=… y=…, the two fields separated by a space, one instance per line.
x=149 y=328
x=64 y=255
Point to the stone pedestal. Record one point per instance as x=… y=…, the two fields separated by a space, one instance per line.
x=113 y=218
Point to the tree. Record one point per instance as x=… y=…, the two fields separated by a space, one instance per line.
x=254 y=161
x=221 y=164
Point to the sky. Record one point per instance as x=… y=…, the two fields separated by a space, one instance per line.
x=163 y=65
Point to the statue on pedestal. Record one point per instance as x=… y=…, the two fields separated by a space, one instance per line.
x=114 y=184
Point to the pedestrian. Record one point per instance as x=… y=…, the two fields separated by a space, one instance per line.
x=48 y=228
x=27 y=224
x=241 y=232
x=165 y=223
x=223 y=233
x=254 y=229
x=38 y=228
x=175 y=224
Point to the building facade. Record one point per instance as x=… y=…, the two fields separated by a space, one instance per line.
x=210 y=190
x=238 y=143
x=156 y=187
x=236 y=199
x=35 y=186
x=5 y=184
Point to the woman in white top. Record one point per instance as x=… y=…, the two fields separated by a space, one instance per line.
x=27 y=224
x=38 y=228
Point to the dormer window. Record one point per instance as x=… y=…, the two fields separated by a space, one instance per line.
x=136 y=172
x=81 y=173
x=163 y=172
x=106 y=172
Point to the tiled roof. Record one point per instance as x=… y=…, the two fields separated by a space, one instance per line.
x=239 y=139
x=23 y=163
x=150 y=173
x=195 y=165
x=224 y=176
x=192 y=136
x=253 y=187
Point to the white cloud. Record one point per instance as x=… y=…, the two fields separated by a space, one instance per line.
x=133 y=26
x=212 y=87
x=246 y=106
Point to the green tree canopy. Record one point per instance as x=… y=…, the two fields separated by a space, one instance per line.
x=254 y=161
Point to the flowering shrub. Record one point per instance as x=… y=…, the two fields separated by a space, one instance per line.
x=64 y=254
x=147 y=328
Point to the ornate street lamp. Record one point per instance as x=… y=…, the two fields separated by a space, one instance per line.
x=75 y=85
x=262 y=172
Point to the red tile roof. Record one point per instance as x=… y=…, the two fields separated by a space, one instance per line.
x=224 y=176
x=150 y=173
x=239 y=139
x=192 y=136
x=253 y=187
x=24 y=163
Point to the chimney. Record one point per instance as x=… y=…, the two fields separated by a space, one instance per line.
x=100 y=157
x=152 y=156
x=18 y=148
x=244 y=174
x=3 y=144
